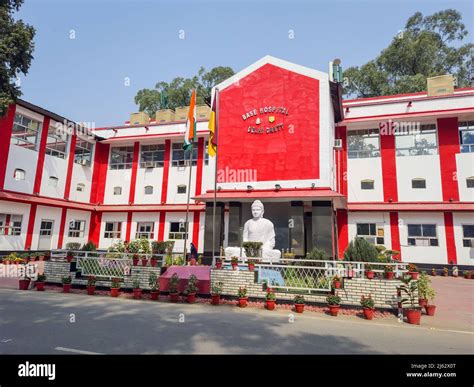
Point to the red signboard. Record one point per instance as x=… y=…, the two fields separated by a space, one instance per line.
x=269 y=127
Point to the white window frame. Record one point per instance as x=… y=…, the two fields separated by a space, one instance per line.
x=422 y=240
x=126 y=153
x=466 y=126
x=21 y=126
x=152 y=156
x=83 y=152
x=417 y=150
x=14 y=226
x=177 y=235
x=116 y=231
x=56 y=139
x=145 y=230
x=76 y=228
x=469 y=241
x=371 y=238
x=183 y=159
x=363 y=134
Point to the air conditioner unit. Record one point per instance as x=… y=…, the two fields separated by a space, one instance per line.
x=337 y=143
x=149 y=164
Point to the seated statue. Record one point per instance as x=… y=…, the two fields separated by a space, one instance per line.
x=258 y=229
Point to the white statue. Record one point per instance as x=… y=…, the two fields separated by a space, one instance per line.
x=258 y=229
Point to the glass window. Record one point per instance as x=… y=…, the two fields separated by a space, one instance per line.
x=25 y=132
x=46 y=228
x=418 y=183
x=80 y=187
x=152 y=156
x=144 y=230
x=180 y=157
x=417 y=142
x=76 y=228
x=10 y=225
x=148 y=190
x=53 y=181
x=83 y=152
x=19 y=174
x=363 y=143
x=367 y=184
x=113 y=230
x=121 y=157
x=470 y=182
x=181 y=189
x=177 y=230
x=468 y=235
x=206 y=154
x=56 y=143
x=369 y=232
x=422 y=235
x=466 y=136
x=117 y=190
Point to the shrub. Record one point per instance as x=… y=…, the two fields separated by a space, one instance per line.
x=412 y=268
x=299 y=299
x=271 y=296
x=159 y=247
x=173 y=283
x=217 y=288
x=136 y=283
x=242 y=292
x=144 y=246
x=115 y=283
x=234 y=260
x=425 y=291
x=361 y=250
x=89 y=246
x=41 y=278
x=367 y=302
x=192 y=285
x=333 y=299
x=153 y=282
x=66 y=279
x=91 y=280
x=117 y=247
x=252 y=249
x=73 y=246
x=410 y=288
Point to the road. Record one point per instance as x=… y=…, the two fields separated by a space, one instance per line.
x=54 y=323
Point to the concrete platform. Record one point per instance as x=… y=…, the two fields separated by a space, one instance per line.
x=203 y=274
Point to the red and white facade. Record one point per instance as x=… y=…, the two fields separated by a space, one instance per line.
x=410 y=190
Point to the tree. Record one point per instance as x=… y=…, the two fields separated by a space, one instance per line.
x=16 y=52
x=427 y=47
x=177 y=93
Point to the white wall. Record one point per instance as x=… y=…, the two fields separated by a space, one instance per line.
x=46 y=213
x=118 y=178
x=426 y=167
x=382 y=219
x=465 y=255
x=77 y=215
x=53 y=167
x=179 y=217
x=25 y=159
x=364 y=169
x=465 y=169
x=15 y=242
x=148 y=176
x=145 y=217
x=105 y=243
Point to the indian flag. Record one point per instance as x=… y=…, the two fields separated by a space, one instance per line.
x=190 y=135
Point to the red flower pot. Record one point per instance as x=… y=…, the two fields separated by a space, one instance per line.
x=218 y=265
x=430 y=310
x=422 y=302
x=414 y=275
x=243 y=302
x=137 y=294
x=191 y=298
x=413 y=316
x=114 y=292
x=24 y=284
x=135 y=261
x=153 y=262
x=337 y=284
x=251 y=267
x=40 y=286
x=144 y=262
x=215 y=299
x=154 y=295
x=67 y=288
x=234 y=266
x=369 y=274
x=69 y=258
x=389 y=275
x=174 y=297
x=369 y=313
x=299 y=308
x=270 y=304
x=90 y=290
x=334 y=309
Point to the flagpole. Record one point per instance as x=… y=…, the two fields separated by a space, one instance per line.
x=216 y=127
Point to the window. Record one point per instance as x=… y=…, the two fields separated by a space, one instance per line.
x=470 y=182
x=76 y=228
x=83 y=152
x=177 y=230
x=117 y=190
x=56 y=143
x=10 y=224
x=180 y=157
x=466 y=136
x=19 y=174
x=417 y=142
x=367 y=184
x=121 y=157
x=80 y=187
x=418 y=183
x=206 y=155
x=422 y=235
x=148 y=190
x=181 y=189
x=53 y=181
x=468 y=235
x=113 y=230
x=25 y=132
x=370 y=233
x=144 y=230
x=363 y=143
x=46 y=228
x=152 y=156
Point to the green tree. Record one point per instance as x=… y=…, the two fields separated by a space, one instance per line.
x=16 y=52
x=427 y=47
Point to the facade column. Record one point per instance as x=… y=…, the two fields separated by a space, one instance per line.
x=41 y=156
x=448 y=144
x=6 y=127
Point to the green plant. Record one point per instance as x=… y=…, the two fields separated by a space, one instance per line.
x=136 y=283
x=41 y=278
x=367 y=302
x=158 y=247
x=66 y=279
x=134 y=246
x=425 y=290
x=192 y=287
x=234 y=260
x=12 y=257
x=271 y=296
x=299 y=299
x=144 y=246
x=412 y=268
x=388 y=268
x=410 y=288
x=333 y=299
x=91 y=280
x=217 y=288
x=368 y=267
x=362 y=251
x=153 y=282
x=445 y=271
x=115 y=283
x=242 y=292
x=89 y=246
x=252 y=248
x=173 y=284
x=117 y=247
x=73 y=246
x=336 y=278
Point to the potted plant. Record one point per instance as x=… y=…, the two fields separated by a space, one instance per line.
x=445 y=271
x=299 y=302
x=243 y=299
x=336 y=281
x=145 y=249
x=334 y=303
x=216 y=292
x=173 y=288
x=137 y=290
x=67 y=283
x=69 y=256
x=252 y=249
x=24 y=281
x=191 y=289
x=115 y=287
x=40 y=280
x=91 y=285
x=134 y=248
x=413 y=271
x=388 y=270
x=467 y=274
x=369 y=273
x=455 y=271
x=234 y=261
x=154 y=286
x=429 y=308
x=218 y=263
x=433 y=272
x=368 y=305
x=251 y=264
x=153 y=261
x=350 y=271
x=410 y=288
x=270 y=299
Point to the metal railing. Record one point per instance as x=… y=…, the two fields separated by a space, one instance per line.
x=104 y=267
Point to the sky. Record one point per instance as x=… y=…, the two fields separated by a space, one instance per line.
x=91 y=57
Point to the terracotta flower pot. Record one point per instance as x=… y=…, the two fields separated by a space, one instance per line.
x=414 y=275
x=153 y=262
x=144 y=262
x=234 y=266
x=370 y=274
x=251 y=267
x=422 y=302
x=69 y=258
x=114 y=292
x=215 y=299
x=369 y=313
x=137 y=294
x=270 y=304
x=135 y=261
x=40 y=286
x=243 y=302
x=67 y=288
x=218 y=265
x=337 y=284
x=174 y=297
x=90 y=290
x=154 y=295
x=334 y=309
x=430 y=310
x=389 y=275
x=413 y=316
x=191 y=298
x=299 y=308
x=24 y=284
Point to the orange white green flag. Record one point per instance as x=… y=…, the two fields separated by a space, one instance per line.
x=190 y=135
